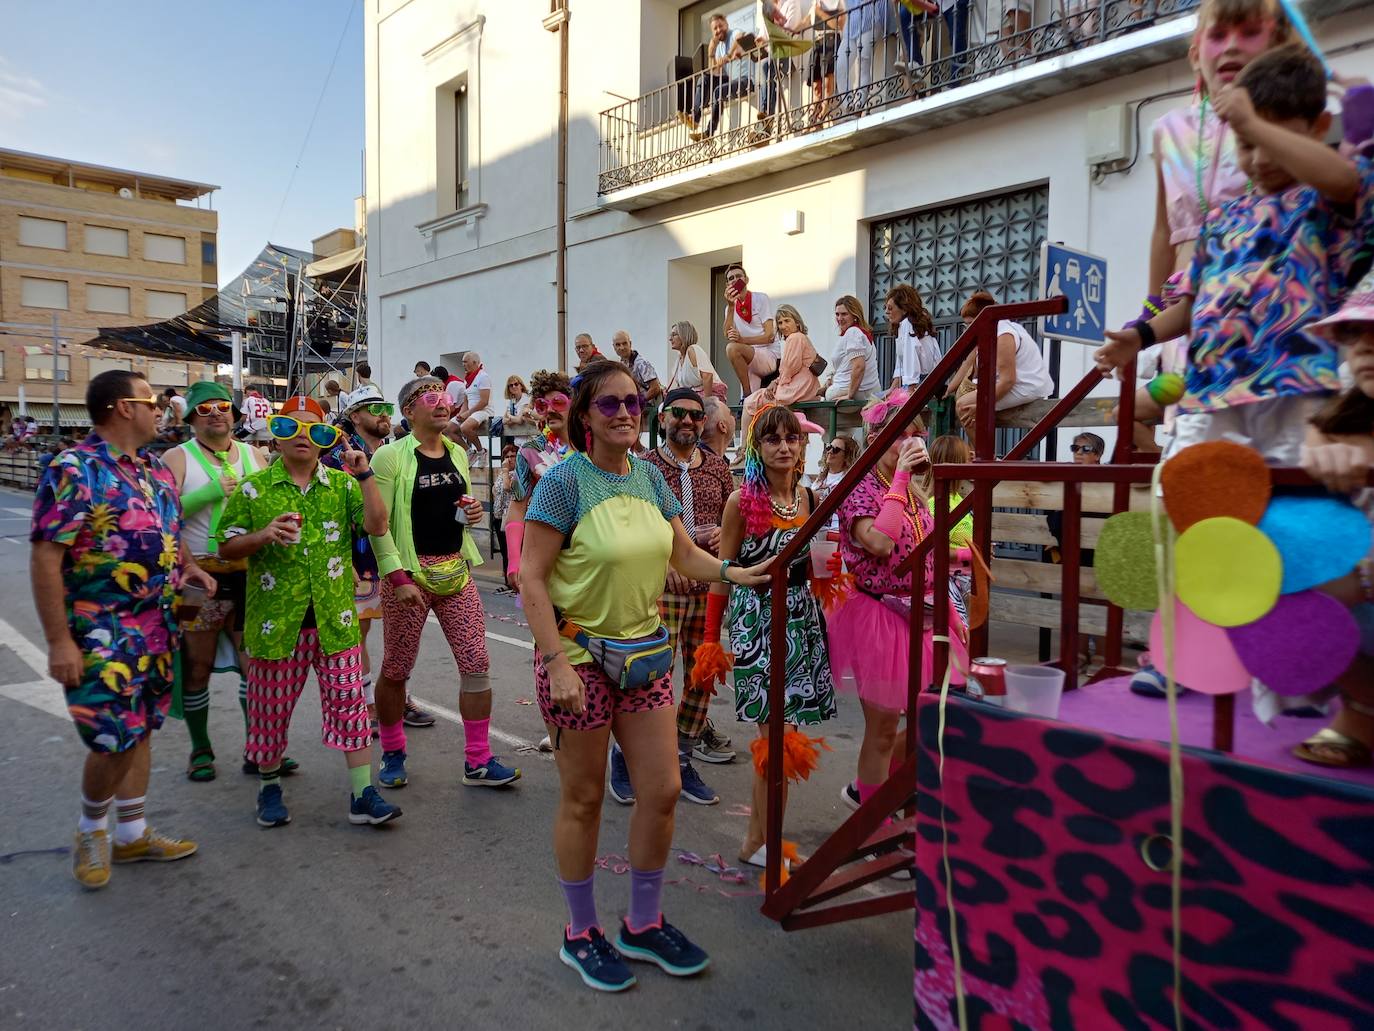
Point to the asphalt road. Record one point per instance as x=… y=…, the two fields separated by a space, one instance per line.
x=449 y=917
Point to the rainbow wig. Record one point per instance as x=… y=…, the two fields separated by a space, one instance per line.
x=754 y=496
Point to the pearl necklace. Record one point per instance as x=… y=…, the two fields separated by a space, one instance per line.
x=787 y=512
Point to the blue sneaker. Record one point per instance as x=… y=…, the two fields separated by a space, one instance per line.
x=664 y=944
x=694 y=789
x=271 y=810
x=1149 y=682
x=621 y=788
x=596 y=961
x=371 y=808
x=491 y=774
x=393 y=771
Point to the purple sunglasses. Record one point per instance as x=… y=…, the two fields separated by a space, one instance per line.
x=609 y=405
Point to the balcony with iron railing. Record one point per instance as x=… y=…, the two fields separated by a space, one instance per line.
x=774 y=108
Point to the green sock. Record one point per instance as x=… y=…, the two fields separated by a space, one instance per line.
x=196 y=709
x=361 y=778
x=268 y=778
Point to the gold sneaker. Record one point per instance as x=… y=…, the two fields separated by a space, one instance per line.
x=91 y=859
x=154 y=848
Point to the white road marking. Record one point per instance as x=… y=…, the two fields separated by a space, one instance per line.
x=27 y=513
x=453 y=717
x=35 y=658
x=44 y=695
x=527 y=645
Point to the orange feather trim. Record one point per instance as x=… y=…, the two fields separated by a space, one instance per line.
x=712 y=664
x=833 y=591
x=800 y=755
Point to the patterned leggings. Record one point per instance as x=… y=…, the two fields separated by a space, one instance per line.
x=460 y=617
x=275 y=685
x=685 y=617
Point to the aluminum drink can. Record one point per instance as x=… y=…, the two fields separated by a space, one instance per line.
x=988 y=680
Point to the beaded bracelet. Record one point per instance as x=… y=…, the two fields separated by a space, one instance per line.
x=895 y=497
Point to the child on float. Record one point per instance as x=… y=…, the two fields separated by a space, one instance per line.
x=759 y=520
x=1339 y=453
x=881 y=524
x=1196 y=167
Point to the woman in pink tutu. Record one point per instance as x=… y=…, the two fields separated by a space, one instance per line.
x=881 y=524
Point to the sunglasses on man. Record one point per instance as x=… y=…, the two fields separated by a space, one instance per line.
x=695 y=414
x=321 y=434
x=208 y=408
x=151 y=402
x=429 y=399
x=557 y=401
x=381 y=408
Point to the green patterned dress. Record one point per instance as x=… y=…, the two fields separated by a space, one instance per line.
x=809 y=685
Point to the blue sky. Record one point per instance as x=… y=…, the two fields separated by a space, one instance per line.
x=214 y=92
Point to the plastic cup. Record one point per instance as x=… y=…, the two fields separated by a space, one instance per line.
x=1035 y=690
x=193 y=597
x=821 y=550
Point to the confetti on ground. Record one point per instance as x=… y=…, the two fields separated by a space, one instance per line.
x=523 y=701
x=618 y=864
x=739 y=809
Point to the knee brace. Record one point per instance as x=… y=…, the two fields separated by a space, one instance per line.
x=475 y=683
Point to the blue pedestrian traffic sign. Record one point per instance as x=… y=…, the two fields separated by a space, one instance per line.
x=1082 y=278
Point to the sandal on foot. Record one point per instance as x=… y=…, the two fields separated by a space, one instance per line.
x=760 y=859
x=201 y=766
x=1331 y=748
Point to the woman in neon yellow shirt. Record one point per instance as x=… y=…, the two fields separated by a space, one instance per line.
x=601 y=530
x=952 y=449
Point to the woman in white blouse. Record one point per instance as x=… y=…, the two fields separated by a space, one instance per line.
x=918 y=352
x=853 y=371
x=694 y=368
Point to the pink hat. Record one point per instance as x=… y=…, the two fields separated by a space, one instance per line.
x=808 y=426
x=1358 y=307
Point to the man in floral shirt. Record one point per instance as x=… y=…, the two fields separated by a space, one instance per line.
x=106 y=564
x=294 y=521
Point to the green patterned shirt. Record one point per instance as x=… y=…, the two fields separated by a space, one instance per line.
x=284 y=580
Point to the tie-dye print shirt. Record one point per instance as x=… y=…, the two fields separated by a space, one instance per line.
x=1265 y=268
x=119 y=518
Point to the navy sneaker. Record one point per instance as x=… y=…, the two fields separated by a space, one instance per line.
x=849 y=795
x=371 y=808
x=664 y=944
x=1149 y=682
x=596 y=961
x=694 y=789
x=491 y=774
x=271 y=810
x=393 y=771
x=621 y=788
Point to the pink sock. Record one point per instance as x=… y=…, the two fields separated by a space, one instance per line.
x=476 y=750
x=393 y=736
x=866 y=791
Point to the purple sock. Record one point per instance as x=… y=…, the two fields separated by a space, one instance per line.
x=646 y=898
x=581 y=905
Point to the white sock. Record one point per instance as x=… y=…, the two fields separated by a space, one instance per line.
x=129 y=823
x=94 y=815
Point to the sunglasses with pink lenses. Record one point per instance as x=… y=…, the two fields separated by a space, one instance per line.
x=430 y=398
x=557 y=402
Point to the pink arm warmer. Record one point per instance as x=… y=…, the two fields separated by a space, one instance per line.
x=888 y=522
x=515 y=537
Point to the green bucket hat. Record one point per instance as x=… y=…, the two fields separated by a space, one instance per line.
x=207 y=390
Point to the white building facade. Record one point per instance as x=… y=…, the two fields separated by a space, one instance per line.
x=950 y=178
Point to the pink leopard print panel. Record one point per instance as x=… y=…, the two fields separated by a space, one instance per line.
x=1063 y=925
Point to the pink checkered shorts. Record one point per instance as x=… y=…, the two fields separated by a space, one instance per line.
x=275 y=685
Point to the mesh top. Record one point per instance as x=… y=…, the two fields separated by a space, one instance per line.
x=572 y=488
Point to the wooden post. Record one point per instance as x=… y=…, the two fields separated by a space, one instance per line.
x=1223 y=722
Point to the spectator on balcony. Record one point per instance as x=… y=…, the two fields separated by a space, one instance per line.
x=955 y=15
x=694 y=368
x=796 y=381
x=1008 y=23
x=864 y=24
x=587 y=353
x=918 y=352
x=827 y=23
x=1022 y=375
x=641 y=371
x=729 y=75
x=853 y=371
x=753 y=349
x=790 y=17
x=519 y=419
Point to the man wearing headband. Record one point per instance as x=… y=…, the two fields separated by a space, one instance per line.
x=294 y=522
x=425 y=557
x=208 y=468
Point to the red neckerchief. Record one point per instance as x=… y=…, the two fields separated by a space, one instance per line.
x=469 y=377
x=744 y=307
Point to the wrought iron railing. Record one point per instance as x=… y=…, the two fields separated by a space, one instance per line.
x=882 y=58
